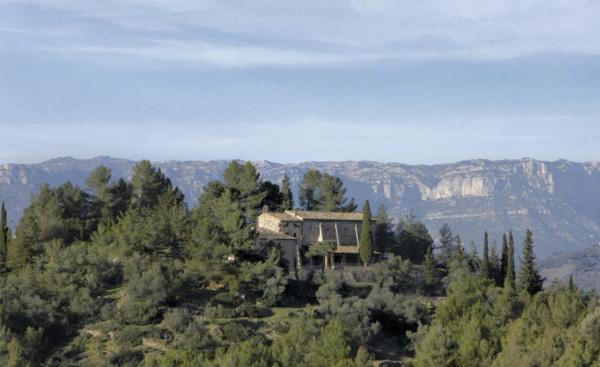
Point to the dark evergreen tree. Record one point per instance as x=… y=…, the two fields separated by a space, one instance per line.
x=572 y=286
x=321 y=191
x=494 y=264
x=3 y=233
x=384 y=232
x=246 y=187
x=366 y=246
x=503 y=260
x=148 y=183
x=273 y=198
x=412 y=239
x=510 y=279
x=308 y=190
x=447 y=243
x=431 y=275
x=530 y=279
x=485 y=261
x=287 y=202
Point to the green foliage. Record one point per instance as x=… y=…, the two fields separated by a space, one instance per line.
x=431 y=274
x=3 y=238
x=384 y=232
x=110 y=199
x=243 y=181
x=412 y=239
x=366 y=247
x=149 y=184
x=447 y=241
x=510 y=279
x=325 y=249
x=503 y=261
x=149 y=286
x=127 y=276
x=64 y=213
x=321 y=191
x=530 y=279
x=287 y=199
x=485 y=261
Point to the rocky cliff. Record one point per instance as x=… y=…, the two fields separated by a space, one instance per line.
x=558 y=200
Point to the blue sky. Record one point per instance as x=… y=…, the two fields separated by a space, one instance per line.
x=426 y=81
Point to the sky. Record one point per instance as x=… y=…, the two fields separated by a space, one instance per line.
x=419 y=82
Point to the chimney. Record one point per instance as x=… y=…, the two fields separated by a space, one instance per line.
x=265 y=209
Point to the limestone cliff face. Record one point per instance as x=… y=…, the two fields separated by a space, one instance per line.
x=558 y=200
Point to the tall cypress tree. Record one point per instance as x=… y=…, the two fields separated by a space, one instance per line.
x=366 y=247
x=3 y=239
x=509 y=280
x=288 y=198
x=530 y=279
x=572 y=287
x=485 y=260
x=3 y=233
x=494 y=264
x=503 y=259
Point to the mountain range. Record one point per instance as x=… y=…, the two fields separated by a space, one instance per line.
x=558 y=200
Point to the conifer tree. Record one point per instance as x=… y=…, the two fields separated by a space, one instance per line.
x=366 y=236
x=503 y=259
x=412 y=239
x=246 y=185
x=485 y=261
x=509 y=280
x=473 y=249
x=494 y=264
x=430 y=273
x=530 y=279
x=321 y=191
x=3 y=233
x=384 y=233
x=286 y=190
x=572 y=287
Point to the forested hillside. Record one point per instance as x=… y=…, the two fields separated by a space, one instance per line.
x=124 y=273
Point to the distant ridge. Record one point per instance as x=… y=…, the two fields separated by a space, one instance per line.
x=559 y=200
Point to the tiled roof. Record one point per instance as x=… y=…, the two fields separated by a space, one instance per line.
x=282 y=216
x=314 y=215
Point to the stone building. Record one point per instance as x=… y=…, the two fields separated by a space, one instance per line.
x=297 y=230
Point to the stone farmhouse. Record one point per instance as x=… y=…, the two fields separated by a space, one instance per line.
x=297 y=230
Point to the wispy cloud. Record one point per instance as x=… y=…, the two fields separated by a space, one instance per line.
x=206 y=53
x=269 y=33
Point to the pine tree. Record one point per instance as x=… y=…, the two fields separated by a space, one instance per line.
x=366 y=247
x=245 y=184
x=485 y=261
x=3 y=233
x=503 y=260
x=572 y=287
x=530 y=279
x=509 y=280
x=431 y=278
x=412 y=239
x=148 y=183
x=286 y=190
x=384 y=233
x=321 y=191
x=447 y=241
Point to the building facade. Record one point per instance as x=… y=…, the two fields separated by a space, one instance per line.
x=297 y=230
